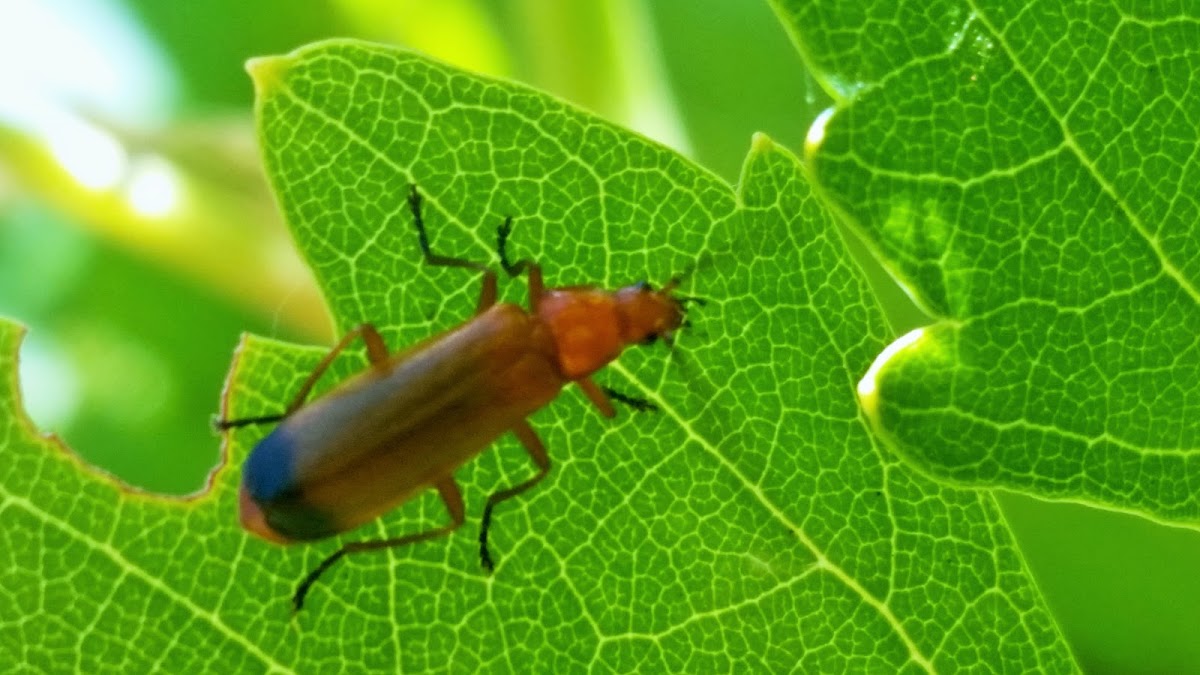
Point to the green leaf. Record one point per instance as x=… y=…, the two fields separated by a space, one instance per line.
x=98 y=576
x=1028 y=171
x=752 y=524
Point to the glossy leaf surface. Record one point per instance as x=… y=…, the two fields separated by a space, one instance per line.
x=1028 y=170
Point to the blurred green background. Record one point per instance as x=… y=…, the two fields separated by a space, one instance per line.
x=138 y=238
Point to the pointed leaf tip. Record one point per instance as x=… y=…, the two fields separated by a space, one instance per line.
x=761 y=142
x=266 y=71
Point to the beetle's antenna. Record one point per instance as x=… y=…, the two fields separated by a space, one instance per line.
x=685 y=299
x=702 y=262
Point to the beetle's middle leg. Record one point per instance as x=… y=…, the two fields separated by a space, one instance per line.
x=536 y=288
x=537 y=451
x=377 y=354
x=451 y=496
x=487 y=296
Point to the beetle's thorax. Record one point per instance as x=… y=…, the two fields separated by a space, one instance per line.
x=590 y=326
x=584 y=325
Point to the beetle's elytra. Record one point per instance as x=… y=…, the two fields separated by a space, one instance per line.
x=408 y=421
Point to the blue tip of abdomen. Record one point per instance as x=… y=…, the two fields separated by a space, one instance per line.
x=269 y=477
x=269 y=472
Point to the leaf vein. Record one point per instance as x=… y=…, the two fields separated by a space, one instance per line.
x=146 y=577
x=822 y=560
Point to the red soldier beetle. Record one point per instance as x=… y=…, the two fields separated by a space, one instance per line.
x=412 y=418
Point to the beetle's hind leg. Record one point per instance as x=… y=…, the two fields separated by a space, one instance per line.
x=377 y=354
x=537 y=451
x=451 y=496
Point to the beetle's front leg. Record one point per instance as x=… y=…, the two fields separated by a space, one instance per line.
x=602 y=398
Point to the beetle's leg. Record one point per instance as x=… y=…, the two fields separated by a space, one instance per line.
x=224 y=425
x=537 y=451
x=516 y=268
x=597 y=396
x=637 y=403
x=487 y=296
x=600 y=397
x=377 y=354
x=535 y=287
x=451 y=496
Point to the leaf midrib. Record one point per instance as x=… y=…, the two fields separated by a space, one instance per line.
x=822 y=561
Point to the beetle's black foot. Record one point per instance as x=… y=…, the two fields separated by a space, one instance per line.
x=220 y=424
x=638 y=404
x=485 y=557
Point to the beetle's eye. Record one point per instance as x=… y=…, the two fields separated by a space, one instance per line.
x=644 y=286
x=650 y=339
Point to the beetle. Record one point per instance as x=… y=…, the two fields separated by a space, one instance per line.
x=410 y=419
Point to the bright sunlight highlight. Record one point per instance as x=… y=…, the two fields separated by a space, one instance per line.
x=91 y=155
x=866 y=386
x=816 y=132
x=154 y=188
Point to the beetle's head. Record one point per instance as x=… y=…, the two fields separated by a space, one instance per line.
x=647 y=315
